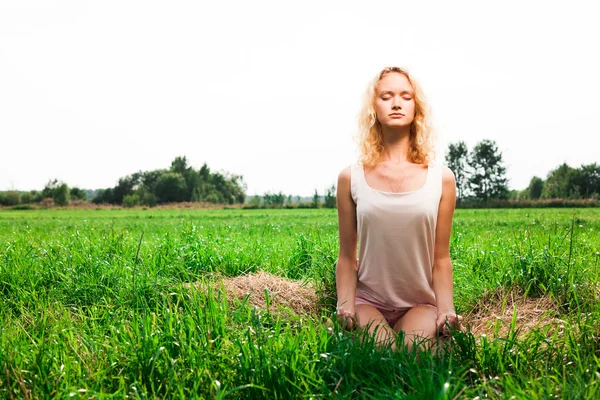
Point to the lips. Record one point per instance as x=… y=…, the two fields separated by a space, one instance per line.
x=396 y=115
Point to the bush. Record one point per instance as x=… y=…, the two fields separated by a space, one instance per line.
x=10 y=198
x=131 y=200
x=170 y=187
x=24 y=207
x=104 y=196
x=146 y=197
x=26 y=198
x=61 y=195
x=78 y=194
x=215 y=197
x=36 y=196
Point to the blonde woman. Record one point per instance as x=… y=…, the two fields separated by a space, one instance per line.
x=396 y=205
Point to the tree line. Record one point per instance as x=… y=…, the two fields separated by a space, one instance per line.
x=55 y=191
x=280 y=200
x=481 y=176
x=179 y=183
x=564 y=182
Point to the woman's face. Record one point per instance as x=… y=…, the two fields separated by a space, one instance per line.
x=394 y=101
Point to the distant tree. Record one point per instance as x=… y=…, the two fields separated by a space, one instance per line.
x=561 y=183
x=316 y=201
x=574 y=183
x=60 y=195
x=192 y=178
x=170 y=187
x=58 y=191
x=204 y=172
x=488 y=178
x=255 y=201
x=179 y=165
x=231 y=187
x=13 y=197
x=274 y=200
x=196 y=196
x=457 y=159
x=150 y=178
x=220 y=187
x=523 y=194
x=90 y=193
x=145 y=196
x=126 y=186
x=48 y=190
x=330 y=201
x=589 y=183
x=238 y=187
x=195 y=185
x=214 y=196
x=26 y=198
x=280 y=199
x=535 y=188
x=179 y=183
x=36 y=196
x=78 y=194
x=290 y=201
x=10 y=198
x=131 y=200
x=104 y=196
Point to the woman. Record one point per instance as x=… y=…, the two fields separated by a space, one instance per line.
x=398 y=205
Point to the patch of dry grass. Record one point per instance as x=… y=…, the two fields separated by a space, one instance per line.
x=494 y=312
x=282 y=292
x=491 y=316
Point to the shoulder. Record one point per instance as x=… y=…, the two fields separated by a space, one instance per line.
x=345 y=187
x=448 y=183
x=447 y=176
x=345 y=174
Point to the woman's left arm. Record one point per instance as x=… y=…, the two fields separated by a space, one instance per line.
x=442 y=265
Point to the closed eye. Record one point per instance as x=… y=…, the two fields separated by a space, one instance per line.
x=388 y=97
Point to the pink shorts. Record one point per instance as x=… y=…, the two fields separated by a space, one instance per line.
x=391 y=315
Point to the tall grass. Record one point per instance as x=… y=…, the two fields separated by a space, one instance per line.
x=95 y=306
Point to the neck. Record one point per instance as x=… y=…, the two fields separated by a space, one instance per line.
x=396 y=143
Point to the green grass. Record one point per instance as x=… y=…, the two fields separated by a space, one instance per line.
x=94 y=306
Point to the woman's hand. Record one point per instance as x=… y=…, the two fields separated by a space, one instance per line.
x=346 y=317
x=451 y=318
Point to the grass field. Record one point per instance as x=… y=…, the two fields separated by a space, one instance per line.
x=96 y=304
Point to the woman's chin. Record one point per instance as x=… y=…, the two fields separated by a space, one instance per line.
x=397 y=124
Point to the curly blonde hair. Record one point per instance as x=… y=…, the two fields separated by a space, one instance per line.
x=370 y=137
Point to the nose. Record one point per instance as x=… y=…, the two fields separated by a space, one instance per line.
x=396 y=104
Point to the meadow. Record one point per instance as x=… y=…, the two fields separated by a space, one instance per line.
x=98 y=304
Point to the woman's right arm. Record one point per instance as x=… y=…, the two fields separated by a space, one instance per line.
x=346 y=266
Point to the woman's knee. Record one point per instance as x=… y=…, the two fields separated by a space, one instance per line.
x=418 y=321
x=371 y=319
x=368 y=315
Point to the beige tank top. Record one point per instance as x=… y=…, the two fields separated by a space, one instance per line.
x=396 y=237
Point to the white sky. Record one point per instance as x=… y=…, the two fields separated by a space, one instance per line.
x=94 y=91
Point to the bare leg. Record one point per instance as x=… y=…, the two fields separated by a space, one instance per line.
x=370 y=316
x=419 y=325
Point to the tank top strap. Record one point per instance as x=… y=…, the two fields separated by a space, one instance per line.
x=354 y=181
x=435 y=169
